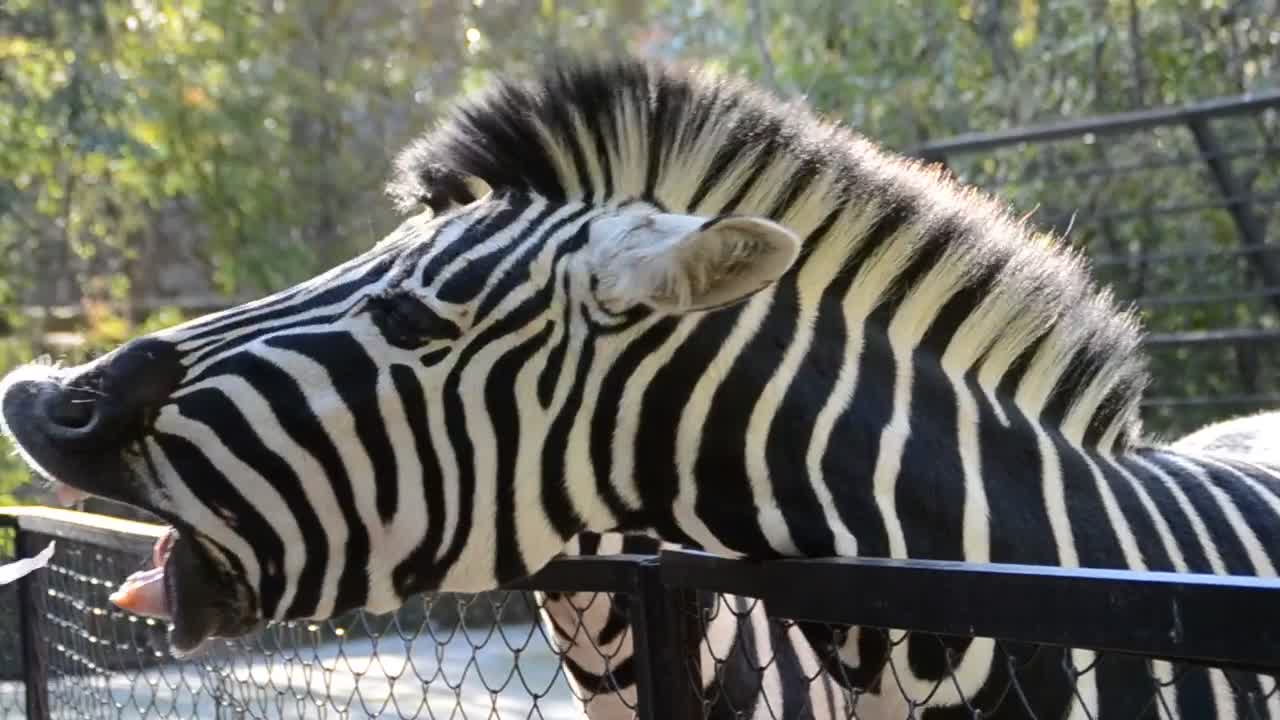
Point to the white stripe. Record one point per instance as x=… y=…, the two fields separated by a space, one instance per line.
x=339 y=425
x=254 y=489
x=693 y=421
x=315 y=485
x=627 y=420
x=1193 y=517
x=817 y=273
x=1262 y=565
x=1225 y=708
x=210 y=522
x=770 y=702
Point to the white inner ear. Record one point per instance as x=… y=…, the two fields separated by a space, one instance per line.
x=684 y=263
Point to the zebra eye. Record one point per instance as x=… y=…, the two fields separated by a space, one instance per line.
x=408 y=323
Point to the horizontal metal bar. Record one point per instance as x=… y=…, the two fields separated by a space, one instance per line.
x=1212 y=338
x=1100 y=125
x=1053 y=217
x=597 y=573
x=1186 y=254
x=1109 y=171
x=100 y=530
x=1174 y=300
x=1197 y=618
x=1259 y=400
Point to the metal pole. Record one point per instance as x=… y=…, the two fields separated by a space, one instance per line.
x=666 y=655
x=35 y=650
x=1236 y=196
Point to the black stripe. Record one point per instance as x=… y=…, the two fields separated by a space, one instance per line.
x=555 y=497
x=215 y=491
x=786 y=447
x=1258 y=516
x=1154 y=555
x=519 y=273
x=1097 y=543
x=329 y=296
x=470 y=279
x=568 y=137
x=724 y=499
x=618 y=621
x=1194 y=692
x=1230 y=548
x=1168 y=508
x=288 y=402
x=725 y=159
x=616 y=679
x=549 y=377
x=213 y=408
x=480 y=229
x=237 y=344
x=1019 y=524
x=663 y=400
x=354 y=377
x=504 y=414
x=604 y=423
x=413 y=400
x=761 y=162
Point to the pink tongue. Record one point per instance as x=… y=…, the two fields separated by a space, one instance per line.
x=142 y=593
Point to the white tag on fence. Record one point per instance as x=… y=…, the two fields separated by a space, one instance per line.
x=21 y=568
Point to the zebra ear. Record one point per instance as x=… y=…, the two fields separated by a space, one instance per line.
x=683 y=263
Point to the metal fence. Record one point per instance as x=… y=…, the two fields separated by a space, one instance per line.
x=1174 y=208
x=78 y=656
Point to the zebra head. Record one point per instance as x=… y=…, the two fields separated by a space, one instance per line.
x=357 y=438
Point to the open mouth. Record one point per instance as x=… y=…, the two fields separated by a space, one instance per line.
x=143 y=592
x=79 y=440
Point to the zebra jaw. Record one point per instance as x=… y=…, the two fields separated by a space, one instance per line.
x=201 y=597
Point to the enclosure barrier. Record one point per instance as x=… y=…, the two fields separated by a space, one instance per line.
x=1175 y=207
x=68 y=653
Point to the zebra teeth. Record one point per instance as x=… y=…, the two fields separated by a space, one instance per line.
x=163 y=548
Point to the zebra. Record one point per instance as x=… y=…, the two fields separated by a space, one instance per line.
x=1256 y=435
x=751 y=665
x=631 y=297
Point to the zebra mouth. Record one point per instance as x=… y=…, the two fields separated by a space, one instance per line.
x=188 y=585
x=73 y=428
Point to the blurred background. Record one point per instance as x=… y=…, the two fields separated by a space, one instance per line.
x=160 y=159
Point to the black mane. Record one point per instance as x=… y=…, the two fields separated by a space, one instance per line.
x=693 y=142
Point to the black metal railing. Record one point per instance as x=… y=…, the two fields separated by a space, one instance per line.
x=80 y=657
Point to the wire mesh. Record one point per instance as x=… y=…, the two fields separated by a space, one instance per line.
x=441 y=656
x=753 y=665
x=12 y=687
x=1177 y=216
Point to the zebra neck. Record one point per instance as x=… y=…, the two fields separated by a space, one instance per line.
x=885 y=453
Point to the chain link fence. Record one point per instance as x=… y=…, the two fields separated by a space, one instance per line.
x=441 y=656
x=681 y=635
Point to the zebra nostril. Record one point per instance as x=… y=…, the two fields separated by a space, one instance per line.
x=71 y=408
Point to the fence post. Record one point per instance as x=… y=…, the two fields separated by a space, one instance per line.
x=666 y=650
x=35 y=650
